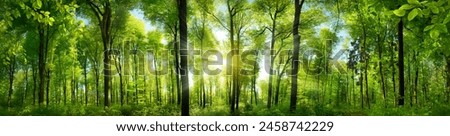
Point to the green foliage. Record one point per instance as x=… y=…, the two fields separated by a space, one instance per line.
x=75 y=32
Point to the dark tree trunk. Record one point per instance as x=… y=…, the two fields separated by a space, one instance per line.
x=12 y=69
x=448 y=79
x=34 y=83
x=85 y=83
x=177 y=63
x=182 y=17
x=255 y=70
x=65 y=90
x=136 y=93
x=295 y=60
x=104 y=19
x=41 y=64
x=158 y=91
x=97 y=78
x=380 y=66
x=416 y=77
x=48 y=88
x=401 y=99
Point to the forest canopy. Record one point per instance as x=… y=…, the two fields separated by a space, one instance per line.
x=224 y=57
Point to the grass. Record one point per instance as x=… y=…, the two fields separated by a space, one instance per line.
x=246 y=110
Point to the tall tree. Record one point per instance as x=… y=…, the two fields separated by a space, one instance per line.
x=182 y=17
x=296 y=51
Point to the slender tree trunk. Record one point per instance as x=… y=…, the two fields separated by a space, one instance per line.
x=12 y=68
x=65 y=89
x=448 y=79
x=34 y=83
x=295 y=60
x=136 y=93
x=416 y=80
x=361 y=88
x=158 y=91
x=86 y=90
x=271 y=60
x=121 y=90
x=182 y=17
x=401 y=99
x=393 y=72
x=104 y=19
x=177 y=64
x=380 y=66
x=48 y=88
x=41 y=64
x=254 y=80
x=409 y=82
x=97 y=78
x=26 y=85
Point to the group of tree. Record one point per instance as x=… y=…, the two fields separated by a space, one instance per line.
x=297 y=57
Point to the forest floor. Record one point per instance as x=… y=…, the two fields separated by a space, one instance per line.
x=260 y=110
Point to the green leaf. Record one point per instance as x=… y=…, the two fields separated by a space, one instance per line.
x=37 y=4
x=413 y=14
x=50 y=21
x=406 y=7
x=426 y=12
x=447 y=19
x=400 y=12
x=416 y=2
x=16 y=13
x=434 y=33
x=429 y=27
x=441 y=28
x=435 y=9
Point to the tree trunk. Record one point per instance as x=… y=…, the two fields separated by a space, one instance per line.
x=182 y=17
x=177 y=64
x=393 y=71
x=448 y=79
x=85 y=83
x=271 y=60
x=401 y=99
x=34 y=83
x=48 y=88
x=380 y=66
x=104 y=20
x=254 y=80
x=416 y=80
x=97 y=78
x=158 y=91
x=26 y=85
x=41 y=64
x=65 y=90
x=295 y=61
x=12 y=67
x=136 y=93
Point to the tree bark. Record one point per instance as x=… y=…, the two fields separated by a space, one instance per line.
x=182 y=17
x=85 y=83
x=41 y=64
x=104 y=19
x=401 y=99
x=380 y=66
x=448 y=79
x=48 y=88
x=12 y=67
x=295 y=60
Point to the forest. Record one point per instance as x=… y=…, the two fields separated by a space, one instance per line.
x=224 y=57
